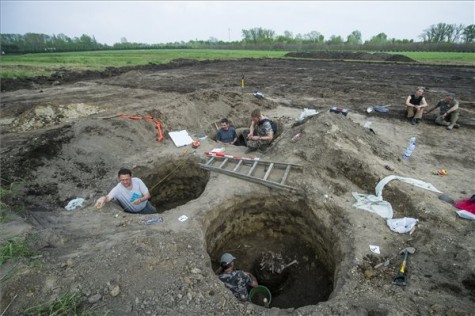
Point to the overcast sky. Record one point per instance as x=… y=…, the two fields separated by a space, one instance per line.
x=173 y=21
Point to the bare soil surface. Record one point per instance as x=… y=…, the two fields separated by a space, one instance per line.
x=63 y=139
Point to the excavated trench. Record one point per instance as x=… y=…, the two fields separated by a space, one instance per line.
x=283 y=242
x=174 y=182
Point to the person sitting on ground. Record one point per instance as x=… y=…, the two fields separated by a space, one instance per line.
x=239 y=282
x=260 y=133
x=226 y=134
x=131 y=194
x=415 y=104
x=449 y=111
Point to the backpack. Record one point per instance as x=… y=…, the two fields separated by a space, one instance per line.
x=272 y=123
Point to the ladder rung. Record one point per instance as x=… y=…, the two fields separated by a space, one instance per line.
x=286 y=174
x=209 y=161
x=223 y=163
x=237 y=166
x=254 y=165
x=269 y=170
x=247 y=173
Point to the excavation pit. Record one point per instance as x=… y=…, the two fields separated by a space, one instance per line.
x=174 y=182
x=282 y=243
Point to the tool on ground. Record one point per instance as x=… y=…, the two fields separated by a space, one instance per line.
x=195 y=144
x=401 y=277
x=440 y=172
x=157 y=123
x=378 y=108
x=269 y=173
x=339 y=109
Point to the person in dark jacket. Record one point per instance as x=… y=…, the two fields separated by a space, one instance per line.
x=239 y=282
x=415 y=104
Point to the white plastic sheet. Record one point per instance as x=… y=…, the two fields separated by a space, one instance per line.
x=373 y=204
x=402 y=225
x=465 y=214
x=376 y=204
x=414 y=182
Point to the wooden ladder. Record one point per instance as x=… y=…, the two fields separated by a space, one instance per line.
x=269 y=173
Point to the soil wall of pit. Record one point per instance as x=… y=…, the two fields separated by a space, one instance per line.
x=285 y=226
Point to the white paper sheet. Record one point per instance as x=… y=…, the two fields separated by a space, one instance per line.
x=181 y=138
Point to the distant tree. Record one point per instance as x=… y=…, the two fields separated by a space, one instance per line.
x=335 y=40
x=314 y=36
x=468 y=34
x=443 y=32
x=379 y=39
x=213 y=40
x=258 y=35
x=354 y=38
x=288 y=37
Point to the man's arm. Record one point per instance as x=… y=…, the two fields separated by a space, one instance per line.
x=102 y=200
x=251 y=130
x=235 y=138
x=269 y=136
x=432 y=108
x=252 y=280
x=218 y=137
x=423 y=103
x=144 y=198
x=452 y=109
x=408 y=101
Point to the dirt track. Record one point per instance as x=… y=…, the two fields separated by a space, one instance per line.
x=62 y=141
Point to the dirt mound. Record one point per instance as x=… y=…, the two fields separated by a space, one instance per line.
x=352 y=56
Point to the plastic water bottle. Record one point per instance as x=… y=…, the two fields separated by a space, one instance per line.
x=410 y=148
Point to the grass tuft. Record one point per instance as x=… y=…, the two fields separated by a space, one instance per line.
x=15 y=248
x=67 y=304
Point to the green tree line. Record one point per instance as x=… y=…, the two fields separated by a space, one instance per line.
x=437 y=37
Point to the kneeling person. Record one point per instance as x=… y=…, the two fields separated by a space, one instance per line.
x=260 y=133
x=131 y=193
x=239 y=282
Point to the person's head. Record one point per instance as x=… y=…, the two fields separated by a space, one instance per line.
x=449 y=97
x=226 y=261
x=256 y=115
x=419 y=91
x=225 y=124
x=125 y=177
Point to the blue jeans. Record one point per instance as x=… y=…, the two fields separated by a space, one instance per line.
x=148 y=209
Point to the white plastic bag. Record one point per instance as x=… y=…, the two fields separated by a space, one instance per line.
x=401 y=225
x=73 y=204
x=306 y=113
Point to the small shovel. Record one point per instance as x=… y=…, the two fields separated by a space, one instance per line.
x=400 y=278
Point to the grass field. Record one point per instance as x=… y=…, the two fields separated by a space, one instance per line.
x=442 y=58
x=30 y=65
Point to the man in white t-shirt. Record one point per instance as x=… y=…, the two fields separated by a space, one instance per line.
x=131 y=193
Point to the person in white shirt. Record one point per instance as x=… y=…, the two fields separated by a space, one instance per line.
x=131 y=194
